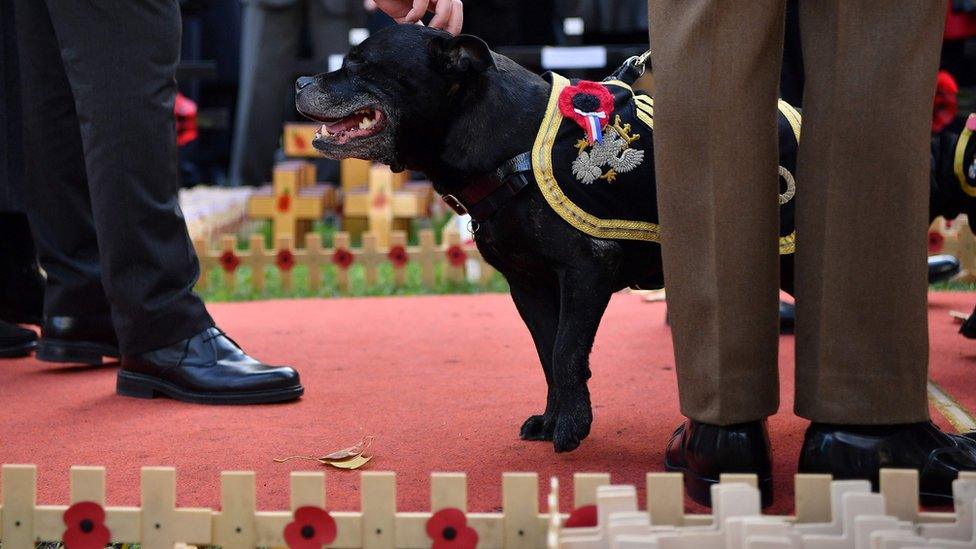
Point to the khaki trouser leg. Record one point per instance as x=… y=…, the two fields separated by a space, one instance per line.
x=862 y=204
x=716 y=70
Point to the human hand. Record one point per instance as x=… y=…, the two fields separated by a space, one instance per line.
x=448 y=14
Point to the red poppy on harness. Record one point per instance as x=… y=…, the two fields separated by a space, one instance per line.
x=589 y=104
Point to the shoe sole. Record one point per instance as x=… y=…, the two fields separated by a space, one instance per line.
x=17 y=351
x=699 y=488
x=142 y=386
x=74 y=352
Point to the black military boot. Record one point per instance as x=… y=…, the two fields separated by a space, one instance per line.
x=702 y=452
x=860 y=452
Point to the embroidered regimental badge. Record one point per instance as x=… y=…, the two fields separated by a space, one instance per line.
x=613 y=152
x=604 y=145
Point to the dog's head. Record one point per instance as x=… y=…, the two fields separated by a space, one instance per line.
x=392 y=94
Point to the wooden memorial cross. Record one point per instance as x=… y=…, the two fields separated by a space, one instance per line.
x=158 y=524
x=353 y=172
x=388 y=203
x=374 y=198
x=162 y=523
x=294 y=201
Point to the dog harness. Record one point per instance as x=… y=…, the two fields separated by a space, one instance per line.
x=593 y=161
x=963 y=150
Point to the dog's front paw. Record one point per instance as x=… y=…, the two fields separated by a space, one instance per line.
x=537 y=428
x=570 y=430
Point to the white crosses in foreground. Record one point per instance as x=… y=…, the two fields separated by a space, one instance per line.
x=858 y=519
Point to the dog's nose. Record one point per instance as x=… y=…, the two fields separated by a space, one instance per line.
x=303 y=81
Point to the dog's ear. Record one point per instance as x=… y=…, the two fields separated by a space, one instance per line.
x=468 y=54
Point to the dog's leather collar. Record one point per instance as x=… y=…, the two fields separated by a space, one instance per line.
x=482 y=197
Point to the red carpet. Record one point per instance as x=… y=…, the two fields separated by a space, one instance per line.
x=443 y=383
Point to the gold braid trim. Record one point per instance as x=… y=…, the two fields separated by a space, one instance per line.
x=787 y=244
x=792 y=116
x=957 y=162
x=576 y=216
x=558 y=201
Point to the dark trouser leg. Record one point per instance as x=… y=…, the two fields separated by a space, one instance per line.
x=120 y=59
x=330 y=32
x=21 y=284
x=269 y=46
x=862 y=340
x=715 y=151
x=55 y=187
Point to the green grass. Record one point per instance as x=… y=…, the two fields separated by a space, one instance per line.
x=953 y=287
x=328 y=229
x=385 y=285
x=216 y=290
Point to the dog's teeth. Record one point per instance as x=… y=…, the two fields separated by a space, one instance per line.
x=366 y=124
x=324 y=130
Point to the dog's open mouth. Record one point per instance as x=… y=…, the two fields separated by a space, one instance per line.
x=364 y=122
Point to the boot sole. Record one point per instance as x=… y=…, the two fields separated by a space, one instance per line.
x=699 y=488
x=142 y=386
x=19 y=350
x=74 y=352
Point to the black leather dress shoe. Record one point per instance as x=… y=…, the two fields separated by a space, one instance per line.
x=942 y=268
x=854 y=452
x=702 y=452
x=16 y=341
x=208 y=368
x=77 y=339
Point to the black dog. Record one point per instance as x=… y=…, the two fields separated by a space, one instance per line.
x=420 y=99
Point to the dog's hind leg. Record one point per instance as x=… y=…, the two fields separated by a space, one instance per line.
x=539 y=308
x=584 y=296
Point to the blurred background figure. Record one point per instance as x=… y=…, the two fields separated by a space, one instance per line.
x=271 y=40
x=21 y=282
